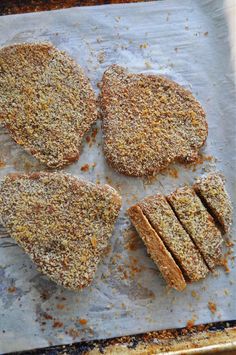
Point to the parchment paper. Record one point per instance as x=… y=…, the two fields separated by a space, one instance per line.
x=188 y=41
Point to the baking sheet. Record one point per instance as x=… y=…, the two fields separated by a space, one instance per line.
x=189 y=42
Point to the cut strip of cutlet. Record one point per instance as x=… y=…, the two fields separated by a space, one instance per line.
x=157 y=250
x=198 y=223
x=212 y=191
x=163 y=220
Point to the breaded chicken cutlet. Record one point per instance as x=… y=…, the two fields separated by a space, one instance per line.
x=199 y=224
x=46 y=101
x=161 y=216
x=149 y=121
x=62 y=223
x=212 y=191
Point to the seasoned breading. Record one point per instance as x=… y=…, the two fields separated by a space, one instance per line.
x=198 y=223
x=149 y=121
x=64 y=224
x=157 y=250
x=46 y=101
x=212 y=191
x=163 y=220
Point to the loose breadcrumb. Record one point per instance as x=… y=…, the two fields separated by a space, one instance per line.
x=212 y=307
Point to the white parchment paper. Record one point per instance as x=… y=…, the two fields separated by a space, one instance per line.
x=189 y=42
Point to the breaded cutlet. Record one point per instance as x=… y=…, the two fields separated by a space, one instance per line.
x=198 y=223
x=46 y=101
x=148 y=122
x=211 y=190
x=157 y=250
x=163 y=220
x=62 y=223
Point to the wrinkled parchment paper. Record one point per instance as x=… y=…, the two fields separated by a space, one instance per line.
x=189 y=42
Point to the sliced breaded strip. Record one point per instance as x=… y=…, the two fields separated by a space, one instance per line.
x=198 y=223
x=174 y=236
x=46 y=101
x=157 y=250
x=62 y=223
x=212 y=191
x=149 y=121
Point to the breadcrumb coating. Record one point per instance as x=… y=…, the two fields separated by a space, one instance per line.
x=63 y=223
x=46 y=101
x=149 y=121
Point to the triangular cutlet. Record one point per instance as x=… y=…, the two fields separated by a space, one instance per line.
x=63 y=223
x=149 y=121
x=46 y=101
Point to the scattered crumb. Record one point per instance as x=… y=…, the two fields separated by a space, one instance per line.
x=133 y=267
x=83 y=321
x=94 y=132
x=191 y=322
x=143 y=45
x=101 y=57
x=205 y=33
x=60 y=306
x=226 y=266
x=85 y=167
x=176 y=49
x=74 y=333
x=226 y=292
x=229 y=243
x=212 y=307
x=11 y=289
x=195 y=295
x=47 y=316
x=57 y=324
x=132 y=240
x=108 y=180
x=149 y=180
x=2 y=164
x=200 y=160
